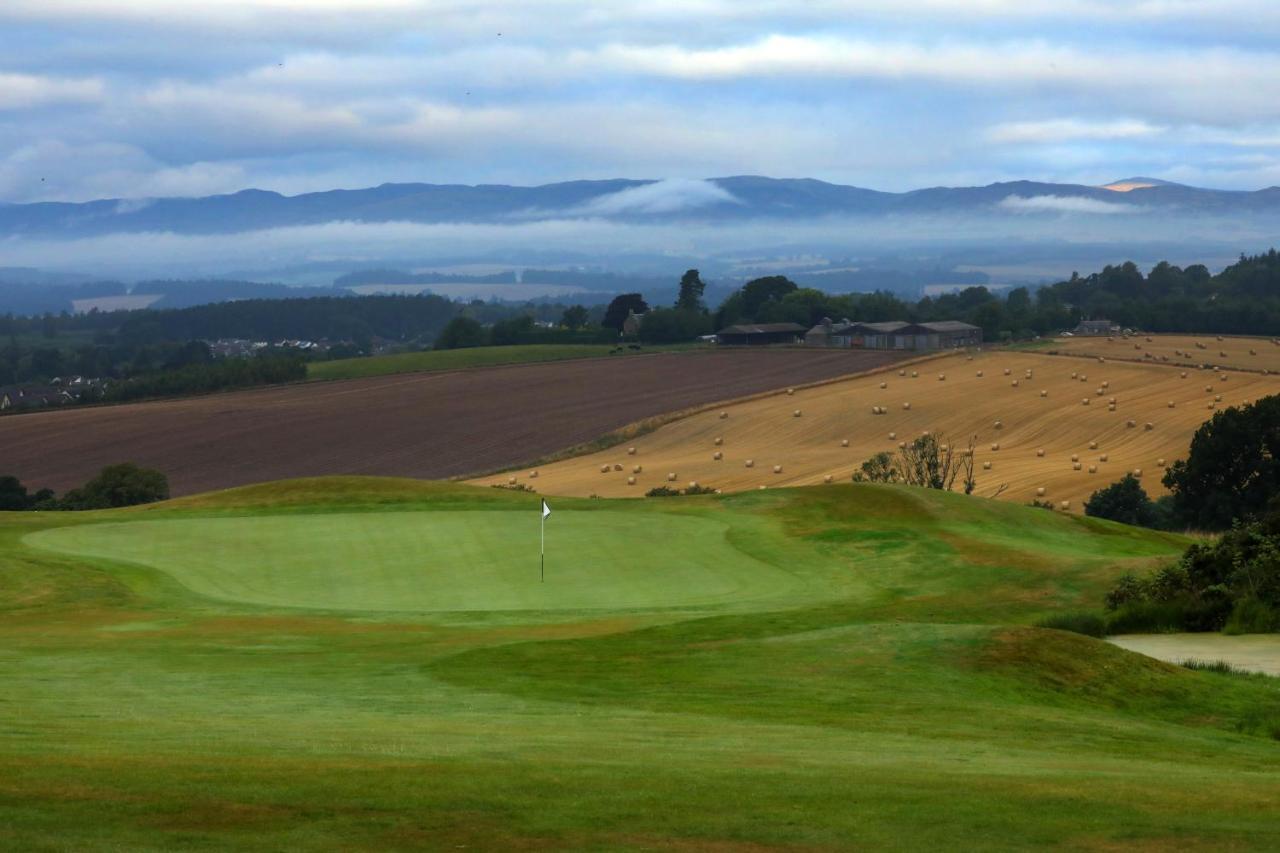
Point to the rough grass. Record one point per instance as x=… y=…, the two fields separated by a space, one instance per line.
x=884 y=698
x=458 y=359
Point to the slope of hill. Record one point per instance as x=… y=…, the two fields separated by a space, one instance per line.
x=1085 y=447
x=374 y=664
x=727 y=199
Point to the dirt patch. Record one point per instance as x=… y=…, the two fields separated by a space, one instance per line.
x=433 y=426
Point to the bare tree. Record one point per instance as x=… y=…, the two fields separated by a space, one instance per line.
x=930 y=462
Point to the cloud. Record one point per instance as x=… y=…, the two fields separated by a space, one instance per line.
x=22 y=91
x=1064 y=204
x=52 y=170
x=666 y=196
x=1069 y=129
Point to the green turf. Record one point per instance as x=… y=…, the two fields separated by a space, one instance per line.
x=364 y=664
x=457 y=359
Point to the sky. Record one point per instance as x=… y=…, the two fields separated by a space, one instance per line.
x=149 y=98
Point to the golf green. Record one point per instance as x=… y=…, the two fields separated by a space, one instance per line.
x=433 y=561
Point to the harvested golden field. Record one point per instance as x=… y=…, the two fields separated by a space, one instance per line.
x=1257 y=354
x=1015 y=417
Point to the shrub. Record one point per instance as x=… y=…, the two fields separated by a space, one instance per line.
x=1124 y=501
x=1039 y=504
x=1250 y=616
x=120 y=485
x=461 y=332
x=1082 y=622
x=881 y=468
x=667 y=492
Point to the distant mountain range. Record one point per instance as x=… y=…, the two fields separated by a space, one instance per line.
x=719 y=199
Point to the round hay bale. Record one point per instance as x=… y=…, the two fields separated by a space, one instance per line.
x=1160 y=463
x=717 y=456
x=875 y=410
x=1093 y=469
x=1148 y=426
x=671 y=477
x=1213 y=405
x=1219 y=337
x=1111 y=402
x=1075 y=457
x=893 y=436
x=1098 y=391
x=1093 y=445
x=999 y=424
x=693 y=484
x=902 y=373
x=1044 y=393
x=1101 y=360
x=1040 y=452
x=986 y=466
x=1026 y=374
x=942 y=377
x=636 y=469
x=719 y=441
x=1074 y=375
x=1184 y=374
x=906 y=407
x=995 y=445
x=761 y=487
x=533 y=475
x=1103 y=458
x=1172 y=404
x=1084 y=378
x=724 y=415
x=914 y=374
x=791 y=391
x=1040 y=492
x=1007 y=371
x=1208 y=389
x=1014 y=383
x=1130 y=424
x=777 y=469
x=902 y=445
x=631 y=451
x=1106 y=384
x=511 y=481
x=979 y=374
x=1221 y=354
x=1222 y=377
x=1137 y=472
x=631 y=481
x=1111 y=407
x=1065 y=504
x=1253 y=352
x=844 y=442
x=884 y=385
x=751 y=463
x=943 y=448
x=827 y=479
x=1085 y=401
x=796 y=413
x=617 y=467
x=604 y=469
x=1075 y=466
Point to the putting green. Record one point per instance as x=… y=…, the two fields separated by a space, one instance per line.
x=428 y=561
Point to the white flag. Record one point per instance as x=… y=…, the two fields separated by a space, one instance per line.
x=546 y=510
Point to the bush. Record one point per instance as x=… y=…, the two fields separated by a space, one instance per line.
x=1250 y=616
x=119 y=485
x=1083 y=622
x=667 y=492
x=1039 y=504
x=1164 y=617
x=1124 y=501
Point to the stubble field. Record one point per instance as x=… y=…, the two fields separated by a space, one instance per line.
x=1015 y=418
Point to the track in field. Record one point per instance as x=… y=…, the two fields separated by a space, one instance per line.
x=416 y=425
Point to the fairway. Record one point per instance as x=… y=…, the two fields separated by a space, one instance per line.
x=415 y=561
x=372 y=664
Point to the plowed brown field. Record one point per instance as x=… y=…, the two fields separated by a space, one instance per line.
x=809 y=447
x=419 y=425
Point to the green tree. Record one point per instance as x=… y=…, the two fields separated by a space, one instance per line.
x=512 y=331
x=671 y=325
x=459 y=333
x=575 y=317
x=1233 y=468
x=1124 y=501
x=125 y=484
x=13 y=495
x=759 y=292
x=691 y=288
x=622 y=304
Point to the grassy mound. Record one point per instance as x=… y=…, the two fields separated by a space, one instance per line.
x=817 y=668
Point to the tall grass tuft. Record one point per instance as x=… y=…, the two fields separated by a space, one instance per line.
x=1082 y=622
x=1251 y=616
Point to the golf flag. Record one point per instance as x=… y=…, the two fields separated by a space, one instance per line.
x=542 y=552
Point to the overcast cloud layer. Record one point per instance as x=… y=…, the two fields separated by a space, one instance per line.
x=145 y=98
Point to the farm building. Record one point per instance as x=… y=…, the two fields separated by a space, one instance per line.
x=946 y=334
x=1095 y=327
x=757 y=334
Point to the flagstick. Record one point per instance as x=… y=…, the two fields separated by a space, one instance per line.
x=542 y=552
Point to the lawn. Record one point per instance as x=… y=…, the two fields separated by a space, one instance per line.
x=367 y=664
x=457 y=359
